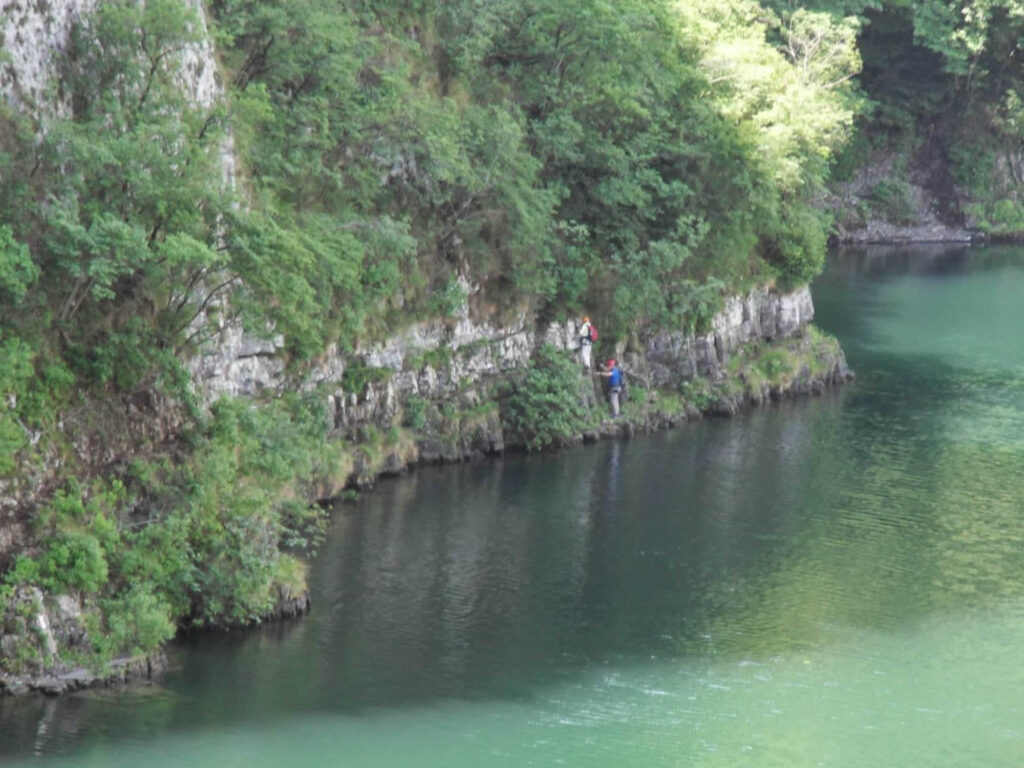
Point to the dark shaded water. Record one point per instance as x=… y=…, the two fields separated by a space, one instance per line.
x=837 y=581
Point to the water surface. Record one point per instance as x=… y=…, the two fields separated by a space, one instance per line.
x=837 y=581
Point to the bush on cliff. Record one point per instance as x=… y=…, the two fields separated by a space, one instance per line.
x=543 y=405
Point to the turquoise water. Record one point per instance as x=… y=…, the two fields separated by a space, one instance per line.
x=837 y=581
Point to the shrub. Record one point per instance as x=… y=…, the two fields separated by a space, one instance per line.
x=303 y=526
x=17 y=270
x=796 y=246
x=15 y=374
x=137 y=622
x=291 y=573
x=891 y=199
x=73 y=561
x=357 y=378
x=972 y=165
x=775 y=364
x=697 y=392
x=415 y=413
x=1006 y=216
x=544 y=405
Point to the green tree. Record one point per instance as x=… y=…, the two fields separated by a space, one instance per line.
x=794 y=101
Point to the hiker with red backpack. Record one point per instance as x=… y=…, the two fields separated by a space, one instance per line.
x=588 y=335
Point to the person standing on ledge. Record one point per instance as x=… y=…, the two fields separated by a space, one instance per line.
x=588 y=335
x=613 y=373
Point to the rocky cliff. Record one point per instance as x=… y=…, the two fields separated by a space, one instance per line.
x=452 y=358
x=457 y=368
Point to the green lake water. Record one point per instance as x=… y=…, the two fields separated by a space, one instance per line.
x=836 y=581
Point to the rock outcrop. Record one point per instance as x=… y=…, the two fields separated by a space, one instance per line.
x=761 y=315
x=34 y=31
x=895 y=198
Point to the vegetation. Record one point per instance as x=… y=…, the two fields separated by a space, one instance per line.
x=640 y=159
x=943 y=81
x=208 y=547
x=544 y=405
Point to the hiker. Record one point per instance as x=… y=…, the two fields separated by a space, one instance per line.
x=588 y=335
x=613 y=373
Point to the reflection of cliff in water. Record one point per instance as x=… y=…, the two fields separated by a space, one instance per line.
x=487 y=580
x=38 y=725
x=443 y=577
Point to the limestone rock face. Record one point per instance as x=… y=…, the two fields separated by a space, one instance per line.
x=445 y=360
x=33 y=30
x=761 y=315
x=33 y=625
x=238 y=364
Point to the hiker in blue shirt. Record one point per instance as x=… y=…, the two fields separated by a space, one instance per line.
x=613 y=373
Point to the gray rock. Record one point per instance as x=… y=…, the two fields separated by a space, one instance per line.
x=726 y=406
x=394 y=464
x=64 y=608
x=9 y=645
x=430 y=451
x=51 y=686
x=12 y=686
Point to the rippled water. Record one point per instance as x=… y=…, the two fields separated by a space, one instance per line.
x=837 y=581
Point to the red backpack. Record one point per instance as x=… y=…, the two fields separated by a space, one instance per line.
x=593 y=332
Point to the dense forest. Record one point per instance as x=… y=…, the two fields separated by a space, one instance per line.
x=639 y=160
